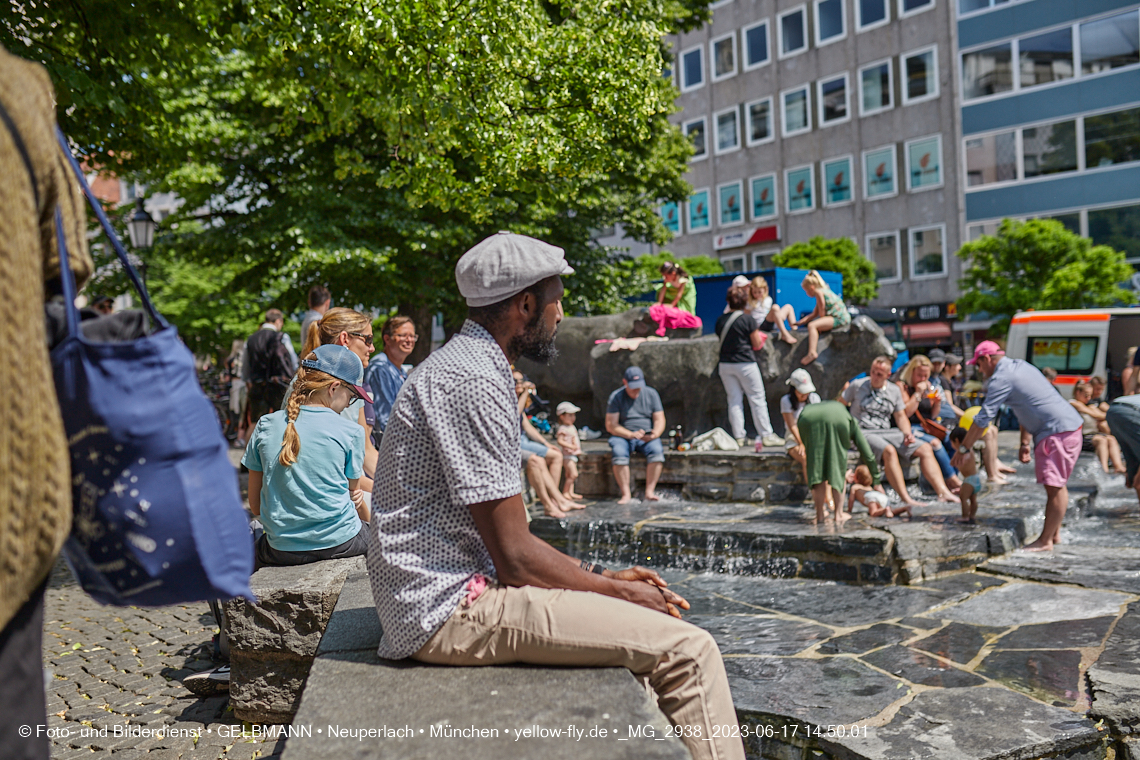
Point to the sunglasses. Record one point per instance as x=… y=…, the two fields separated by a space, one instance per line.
x=368 y=339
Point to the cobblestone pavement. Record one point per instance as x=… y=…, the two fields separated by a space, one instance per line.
x=121 y=667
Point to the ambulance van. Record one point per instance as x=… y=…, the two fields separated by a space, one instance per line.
x=1078 y=343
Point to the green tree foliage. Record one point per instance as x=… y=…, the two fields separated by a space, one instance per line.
x=1039 y=265
x=834 y=255
x=366 y=147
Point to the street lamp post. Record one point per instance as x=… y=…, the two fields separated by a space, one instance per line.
x=141 y=229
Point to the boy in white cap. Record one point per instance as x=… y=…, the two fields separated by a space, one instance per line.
x=567 y=436
x=457 y=576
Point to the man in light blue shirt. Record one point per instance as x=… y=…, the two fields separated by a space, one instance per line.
x=1045 y=417
x=385 y=374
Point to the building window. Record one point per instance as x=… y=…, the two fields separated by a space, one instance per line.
x=799 y=185
x=1110 y=43
x=991 y=159
x=671 y=217
x=1072 y=222
x=699 y=211
x=927 y=253
x=920 y=70
x=760 y=121
x=830 y=21
x=875 y=88
x=879 y=173
x=763 y=259
x=910 y=7
x=833 y=100
x=793 y=31
x=883 y=251
x=692 y=69
x=764 y=203
x=1049 y=149
x=837 y=181
x=872 y=13
x=797 y=116
x=1112 y=138
x=733 y=265
x=924 y=163
x=724 y=57
x=1046 y=57
x=756 y=45
x=975 y=231
x=1118 y=228
x=695 y=131
x=987 y=72
x=727 y=131
x=730 y=203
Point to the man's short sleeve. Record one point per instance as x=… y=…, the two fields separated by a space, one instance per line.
x=612 y=406
x=849 y=392
x=896 y=396
x=354 y=459
x=655 y=400
x=476 y=427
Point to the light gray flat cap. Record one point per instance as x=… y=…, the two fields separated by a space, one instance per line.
x=505 y=264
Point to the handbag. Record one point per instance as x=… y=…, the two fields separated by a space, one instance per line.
x=158 y=517
x=932 y=427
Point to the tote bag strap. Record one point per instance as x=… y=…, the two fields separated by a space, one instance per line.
x=724 y=333
x=97 y=207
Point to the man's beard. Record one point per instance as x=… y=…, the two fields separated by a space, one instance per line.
x=536 y=342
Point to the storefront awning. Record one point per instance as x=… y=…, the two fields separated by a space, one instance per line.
x=927 y=332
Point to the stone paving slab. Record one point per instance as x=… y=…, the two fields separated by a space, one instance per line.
x=1084 y=565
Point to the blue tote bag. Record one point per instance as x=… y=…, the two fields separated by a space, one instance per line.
x=158 y=517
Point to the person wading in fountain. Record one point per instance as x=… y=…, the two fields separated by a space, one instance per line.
x=457 y=576
x=1046 y=418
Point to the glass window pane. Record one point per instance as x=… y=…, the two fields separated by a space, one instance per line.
x=1046 y=57
x=965 y=6
x=691 y=68
x=764 y=196
x=792 y=29
x=924 y=159
x=726 y=134
x=920 y=75
x=913 y=5
x=699 y=210
x=871 y=11
x=1049 y=149
x=926 y=252
x=795 y=111
x=992 y=158
x=879 y=172
x=882 y=250
x=1072 y=222
x=876 y=87
x=730 y=204
x=833 y=95
x=830 y=17
x=1112 y=138
x=1118 y=228
x=985 y=72
x=695 y=131
x=671 y=216
x=837 y=181
x=760 y=120
x=724 y=57
x=756 y=42
x=1110 y=42
x=800 y=196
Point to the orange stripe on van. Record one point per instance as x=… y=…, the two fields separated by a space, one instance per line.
x=1060 y=318
x=1070 y=380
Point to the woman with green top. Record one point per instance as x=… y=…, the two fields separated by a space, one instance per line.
x=678 y=290
x=828 y=431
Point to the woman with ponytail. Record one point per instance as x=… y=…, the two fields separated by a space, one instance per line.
x=305 y=462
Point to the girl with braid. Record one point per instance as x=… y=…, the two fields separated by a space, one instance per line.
x=305 y=463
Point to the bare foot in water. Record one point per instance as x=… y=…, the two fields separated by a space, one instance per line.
x=652 y=497
x=841 y=517
x=1002 y=467
x=966 y=521
x=625 y=500
x=575 y=506
x=949 y=497
x=811 y=357
x=1038 y=546
x=556 y=513
x=999 y=481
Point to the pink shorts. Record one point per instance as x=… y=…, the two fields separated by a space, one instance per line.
x=1055 y=458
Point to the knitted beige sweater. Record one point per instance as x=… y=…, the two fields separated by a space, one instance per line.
x=35 y=491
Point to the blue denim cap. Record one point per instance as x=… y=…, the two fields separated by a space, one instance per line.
x=342 y=364
x=634 y=377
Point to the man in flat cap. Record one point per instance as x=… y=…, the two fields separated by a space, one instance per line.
x=457 y=576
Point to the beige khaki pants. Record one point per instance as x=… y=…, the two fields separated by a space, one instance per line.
x=578 y=628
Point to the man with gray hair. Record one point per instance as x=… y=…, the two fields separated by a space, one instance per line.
x=457 y=576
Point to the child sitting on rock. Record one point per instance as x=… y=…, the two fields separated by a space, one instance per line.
x=875 y=501
x=971 y=483
x=829 y=313
x=567 y=436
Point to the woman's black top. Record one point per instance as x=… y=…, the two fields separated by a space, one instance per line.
x=737 y=345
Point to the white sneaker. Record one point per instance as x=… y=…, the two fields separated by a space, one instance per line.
x=742 y=442
x=773 y=441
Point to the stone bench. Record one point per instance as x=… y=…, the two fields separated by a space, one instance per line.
x=274 y=640
x=349 y=688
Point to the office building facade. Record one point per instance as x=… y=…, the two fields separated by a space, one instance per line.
x=828 y=117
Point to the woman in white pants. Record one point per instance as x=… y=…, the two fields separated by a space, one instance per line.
x=739 y=337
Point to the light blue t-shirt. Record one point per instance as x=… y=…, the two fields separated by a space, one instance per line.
x=306 y=506
x=1039 y=408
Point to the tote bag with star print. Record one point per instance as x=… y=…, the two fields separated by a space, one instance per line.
x=157 y=514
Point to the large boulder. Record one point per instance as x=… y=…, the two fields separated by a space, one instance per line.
x=684 y=372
